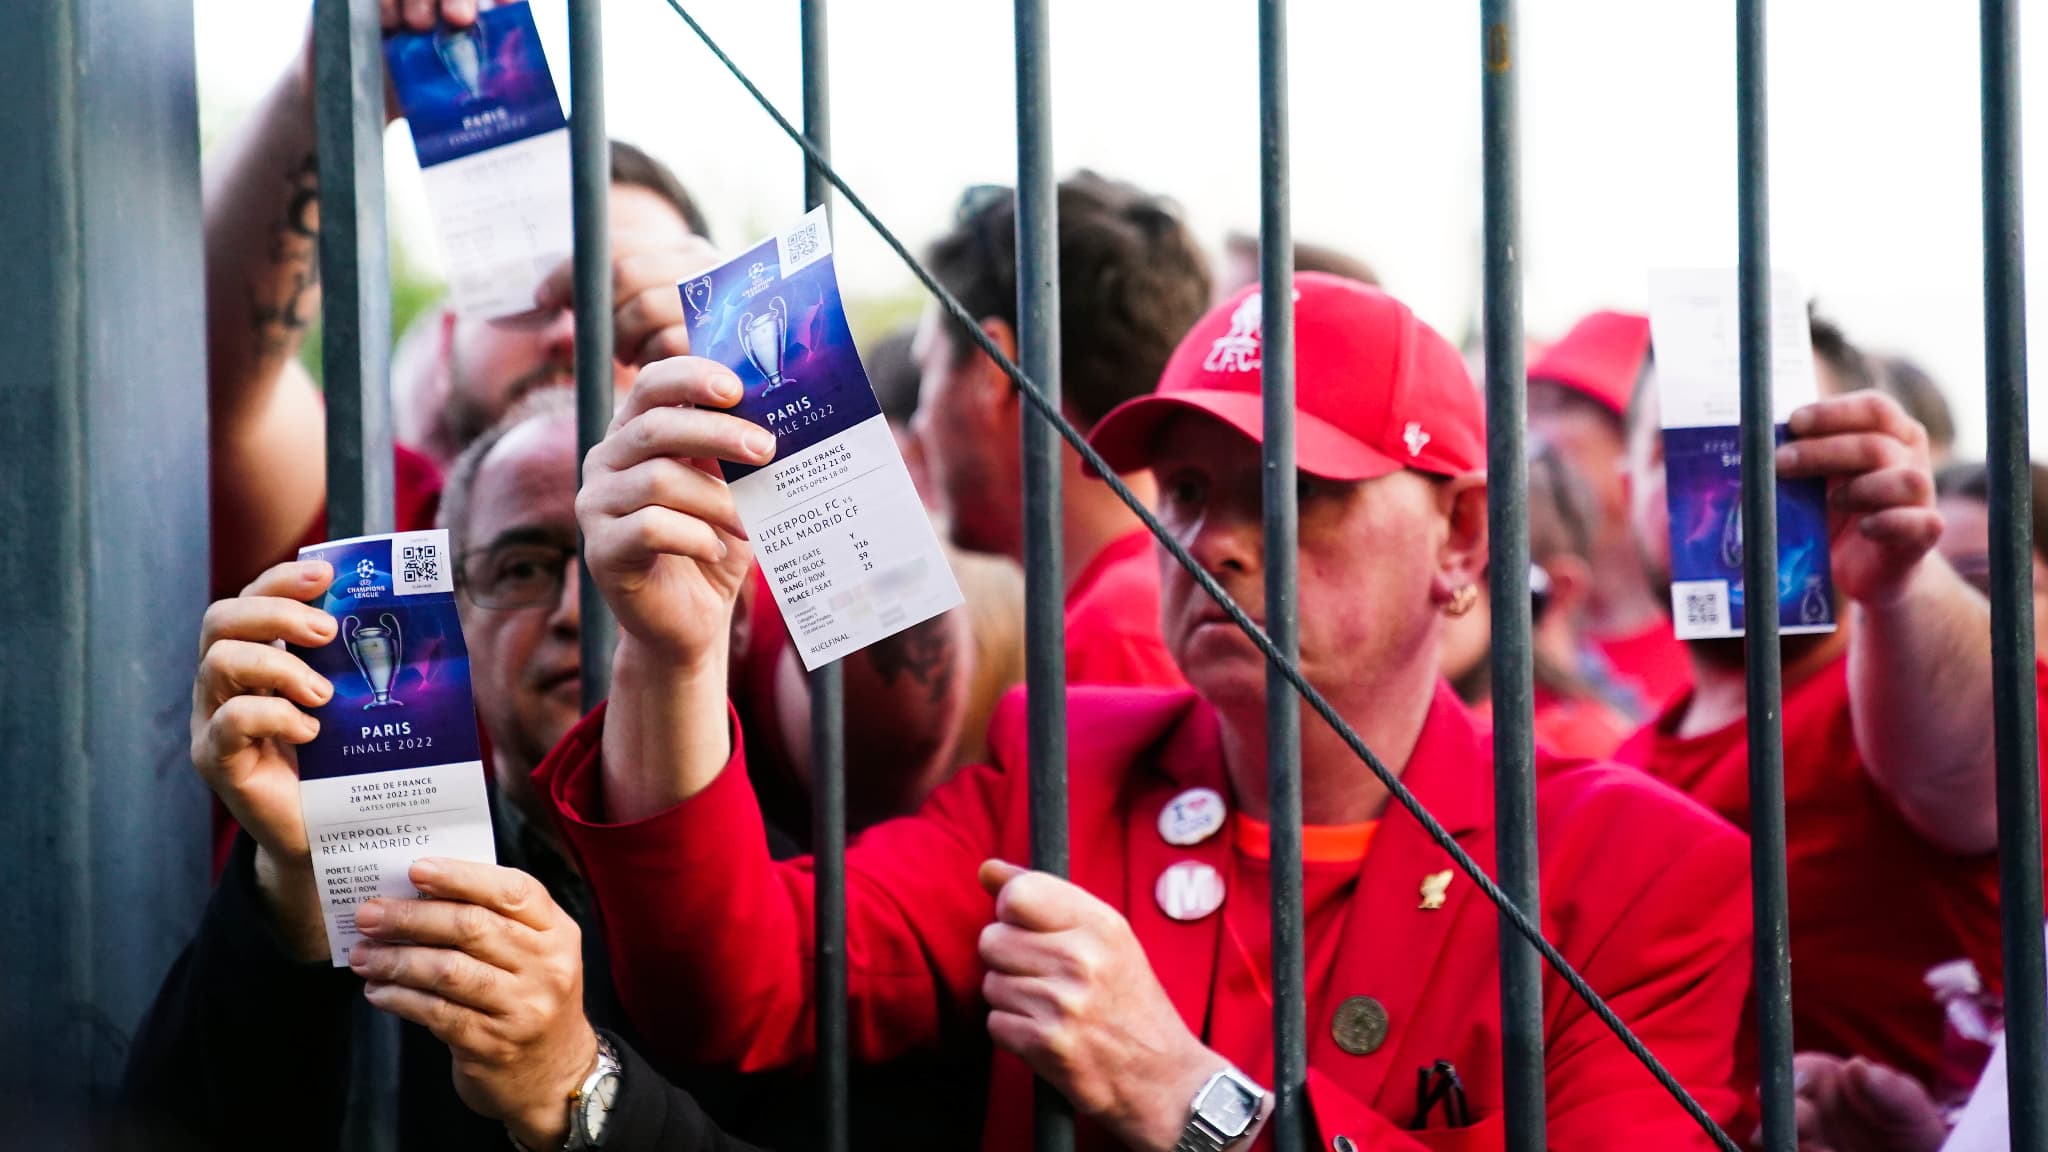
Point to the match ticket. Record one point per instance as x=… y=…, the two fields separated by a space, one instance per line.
x=493 y=147
x=396 y=772
x=1696 y=331
x=837 y=525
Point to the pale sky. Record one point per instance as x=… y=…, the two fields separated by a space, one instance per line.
x=1627 y=115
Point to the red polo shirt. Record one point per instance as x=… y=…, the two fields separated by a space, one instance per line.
x=1646 y=892
x=1653 y=662
x=1112 y=620
x=1873 y=905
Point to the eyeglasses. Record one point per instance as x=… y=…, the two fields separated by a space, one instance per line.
x=515 y=575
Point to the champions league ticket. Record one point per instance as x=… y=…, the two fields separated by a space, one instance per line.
x=493 y=147
x=1696 y=331
x=396 y=772
x=837 y=525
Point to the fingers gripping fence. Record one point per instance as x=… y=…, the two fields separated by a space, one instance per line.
x=1048 y=411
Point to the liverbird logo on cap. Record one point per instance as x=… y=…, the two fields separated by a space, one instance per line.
x=1417 y=439
x=1238 y=349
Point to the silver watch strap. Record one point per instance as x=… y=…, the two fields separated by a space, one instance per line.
x=1197 y=1137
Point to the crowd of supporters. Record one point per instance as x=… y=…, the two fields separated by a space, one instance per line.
x=649 y=923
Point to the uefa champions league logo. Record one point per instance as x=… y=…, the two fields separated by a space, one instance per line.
x=697 y=294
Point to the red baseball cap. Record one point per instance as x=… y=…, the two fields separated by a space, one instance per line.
x=1601 y=357
x=1376 y=389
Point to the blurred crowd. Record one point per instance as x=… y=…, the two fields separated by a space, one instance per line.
x=636 y=971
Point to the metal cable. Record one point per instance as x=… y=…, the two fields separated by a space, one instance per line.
x=1050 y=413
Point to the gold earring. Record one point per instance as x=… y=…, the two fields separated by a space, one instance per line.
x=1462 y=600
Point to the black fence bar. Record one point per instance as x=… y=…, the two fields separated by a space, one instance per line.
x=1291 y=1127
x=828 y=701
x=1514 y=691
x=1038 y=337
x=355 y=314
x=2012 y=606
x=590 y=167
x=1760 y=572
x=355 y=348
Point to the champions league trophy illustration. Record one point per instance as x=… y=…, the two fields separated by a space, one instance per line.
x=761 y=338
x=698 y=294
x=1813 y=607
x=1731 y=537
x=378 y=650
x=462 y=53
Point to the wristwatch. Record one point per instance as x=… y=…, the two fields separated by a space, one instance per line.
x=1224 y=1113
x=590 y=1104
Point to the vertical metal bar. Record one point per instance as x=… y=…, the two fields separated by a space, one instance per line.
x=1283 y=708
x=355 y=313
x=1760 y=583
x=2012 y=606
x=828 y=701
x=355 y=346
x=590 y=166
x=1038 y=324
x=1514 y=692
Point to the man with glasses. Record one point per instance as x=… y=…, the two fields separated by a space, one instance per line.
x=505 y=972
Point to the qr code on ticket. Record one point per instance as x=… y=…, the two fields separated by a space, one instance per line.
x=803 y=245
x=420 y=564
x=1699 y=608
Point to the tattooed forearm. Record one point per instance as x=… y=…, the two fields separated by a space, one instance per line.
x=283 y=304
x=924 y=652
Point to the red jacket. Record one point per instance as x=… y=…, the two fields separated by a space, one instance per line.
x=1644 y=891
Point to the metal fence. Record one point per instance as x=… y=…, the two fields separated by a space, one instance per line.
x=350 y=90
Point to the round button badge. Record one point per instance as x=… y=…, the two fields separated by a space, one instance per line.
x=1189 y=890
x=1192 y=817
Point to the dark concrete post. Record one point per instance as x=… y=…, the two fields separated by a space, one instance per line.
x=103 y=541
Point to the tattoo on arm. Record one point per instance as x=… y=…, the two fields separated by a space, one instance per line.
x=282 y=316
x=924 y=652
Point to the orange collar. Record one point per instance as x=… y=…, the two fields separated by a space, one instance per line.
x=1320 y=843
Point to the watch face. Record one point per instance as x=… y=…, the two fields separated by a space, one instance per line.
x=597 y=1105
x=1229 y=1108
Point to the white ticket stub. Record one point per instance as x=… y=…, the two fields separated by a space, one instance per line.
x=1695 y=329
x=395 y=772
x=494 y=155
x=850 y=555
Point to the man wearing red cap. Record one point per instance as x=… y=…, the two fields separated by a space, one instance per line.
x=1890 y=797
x=1140 y=987
x=1579 y=392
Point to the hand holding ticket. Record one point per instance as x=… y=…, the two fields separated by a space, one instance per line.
x=850 y=555
x=394 y=771
x=1694 y=326
x=493 y=147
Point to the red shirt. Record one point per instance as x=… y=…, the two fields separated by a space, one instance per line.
x=1241 y=1014
x=1873 y=905
x=417 y=486
x=1576 y=728
x=1112 y=620
x=1646 y=892
x=1653 y=663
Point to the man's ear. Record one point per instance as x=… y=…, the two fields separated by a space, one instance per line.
x=1571 y=581
x=994 y=392
x=1461 y=561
